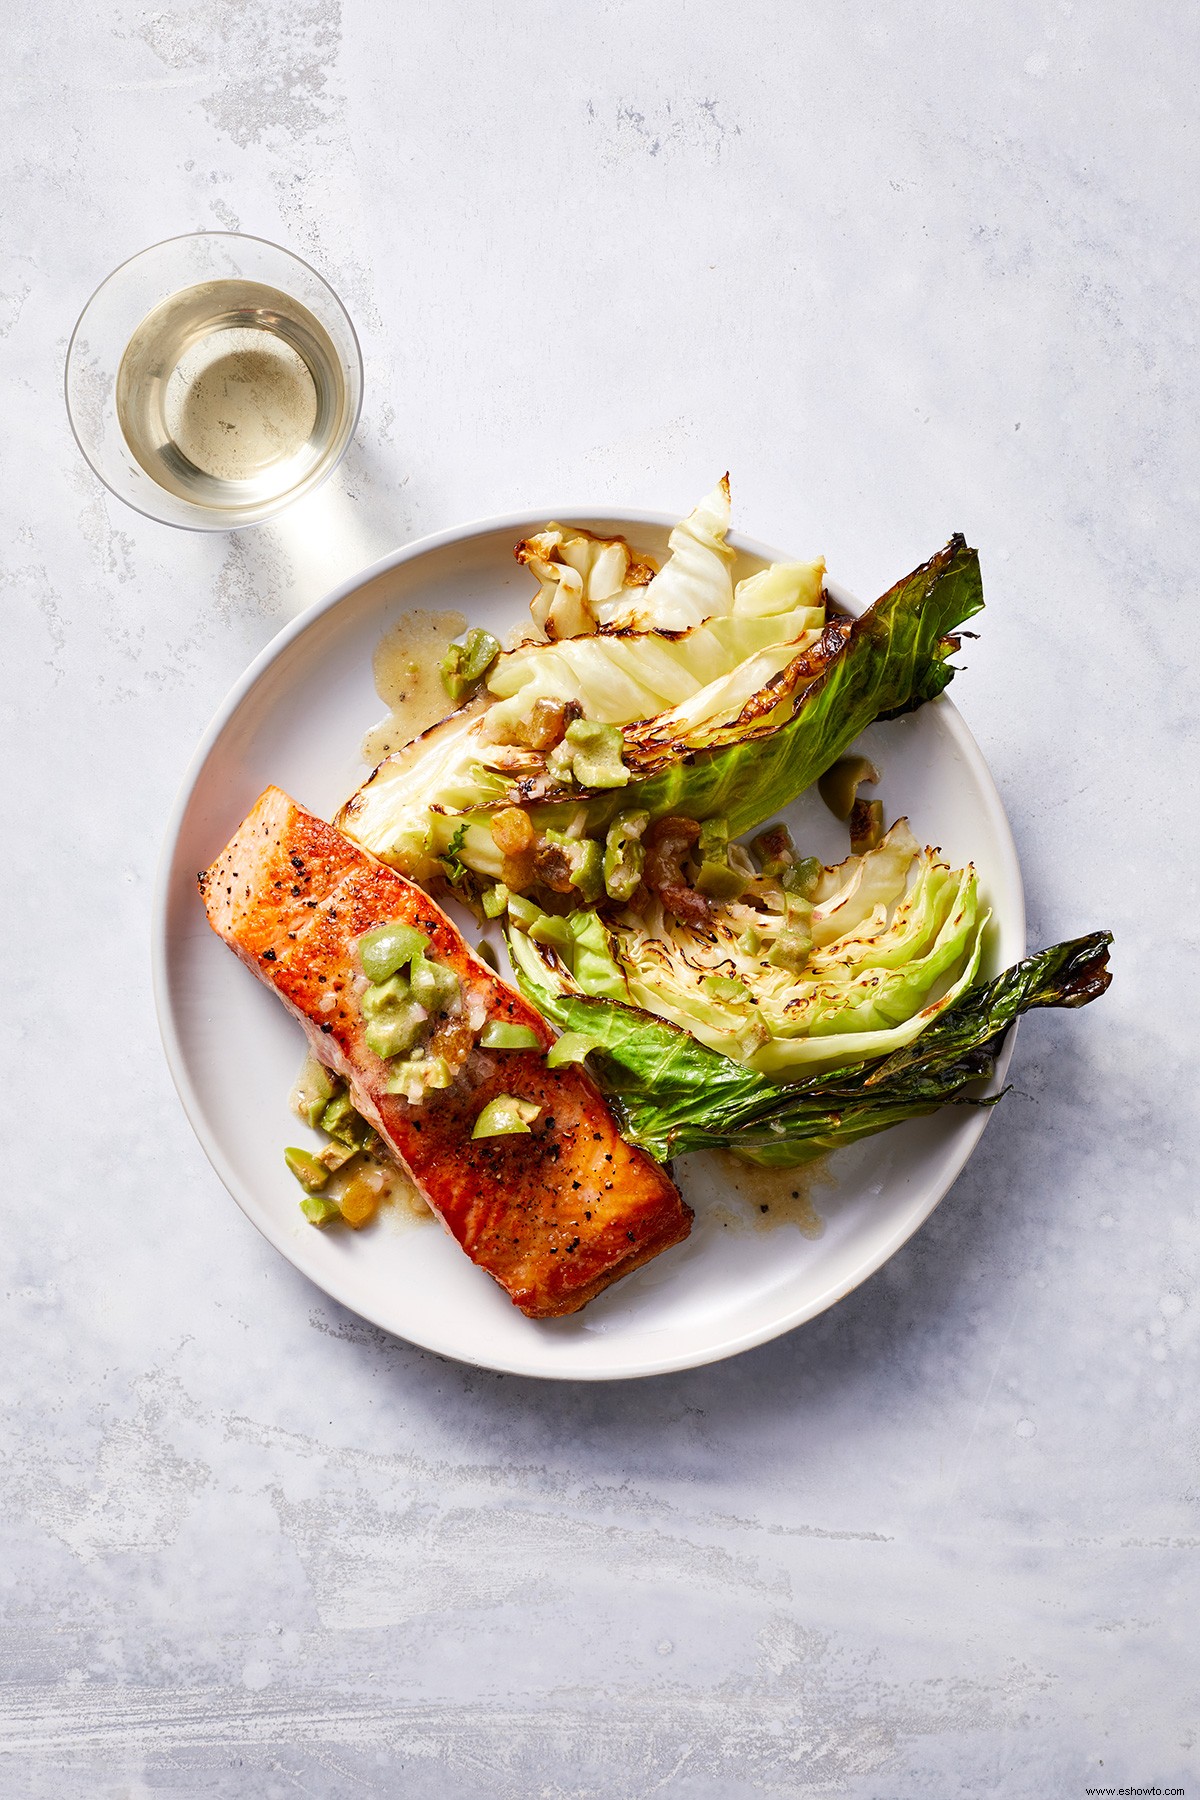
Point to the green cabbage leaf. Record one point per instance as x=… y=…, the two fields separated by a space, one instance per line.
x=892 y=659
x=896 y=941
x=675 y=1094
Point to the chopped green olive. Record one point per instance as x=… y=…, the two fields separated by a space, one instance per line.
x=749 y=943
x=571 y=1047
x=384 y=998
x=505 y=1116
x=720 y=882
x=434 y=986
x=387 y=948
x=596 y=754
x=394 y=1016
x=584 y=860
x=866 y=826
x=319 y=1210
x=838 y=786
x=624 y=856
x=560 y=765
x=467 y=663
x=498 y=1034
x=398 y=1032
x=417 y=1076
x=723 y=987
x=310 y=1173
x=588 y=869
x=794 y=945
x=480 y=651
x=802 y=877
x=713 y=845
x=452 y=676
x=334 y=1156
x=790 y=951
x=495 y=901
x=315 y=1087
x=751 y=1037
x=341 y=1121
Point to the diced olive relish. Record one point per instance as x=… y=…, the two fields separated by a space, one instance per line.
x=571 y=1047
x=465 y=665
x=499 y=1034
x=505 y=1116
x=346 y=1180
x=407 y=991
x=593 y=754
x=567 y=862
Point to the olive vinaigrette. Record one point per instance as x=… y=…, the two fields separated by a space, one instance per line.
x=351 y=1176
x=407 y=1002
x=414 y=1020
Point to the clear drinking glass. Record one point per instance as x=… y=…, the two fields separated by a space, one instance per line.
x=212 y=380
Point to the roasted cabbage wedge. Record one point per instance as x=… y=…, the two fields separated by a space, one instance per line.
x=722 y=699
x=896 y=938
x=675 y=1094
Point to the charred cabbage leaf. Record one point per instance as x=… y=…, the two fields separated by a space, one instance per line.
x=745 y=711
x=588 y=584
x=676 y=1095
x=892 y=659
x=663 y=688
x=890 y=940
x=708 y=663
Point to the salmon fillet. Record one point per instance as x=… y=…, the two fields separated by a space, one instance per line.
x=553 y=1216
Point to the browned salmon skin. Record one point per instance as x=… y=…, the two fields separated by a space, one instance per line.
x=554 y=1216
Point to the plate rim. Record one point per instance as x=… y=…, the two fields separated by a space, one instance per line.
x=520 y=522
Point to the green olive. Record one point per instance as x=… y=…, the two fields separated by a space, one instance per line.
x=802 y=877
x=387 y=948
x=596 y=754
x=434 y=986
x=725 y=988
x=495 y=901
x=838 y=786
x=774 y=850
x=499 y=1034
x=571 y=1047
x=720 y=882
x=319 y=1210
x=505 y=1116
x=310 y=1173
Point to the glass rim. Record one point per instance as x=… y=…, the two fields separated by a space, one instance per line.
x=184 y=237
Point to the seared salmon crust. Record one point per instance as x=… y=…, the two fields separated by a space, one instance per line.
x=554 y=1216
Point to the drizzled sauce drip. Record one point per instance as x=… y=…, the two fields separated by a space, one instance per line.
x=407 y=667
x=764 y=1198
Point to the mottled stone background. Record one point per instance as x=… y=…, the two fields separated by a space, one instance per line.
x=902 y=270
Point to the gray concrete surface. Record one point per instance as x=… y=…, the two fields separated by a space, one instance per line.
x=901 y=271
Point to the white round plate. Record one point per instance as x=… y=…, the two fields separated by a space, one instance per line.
x=297 y=718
